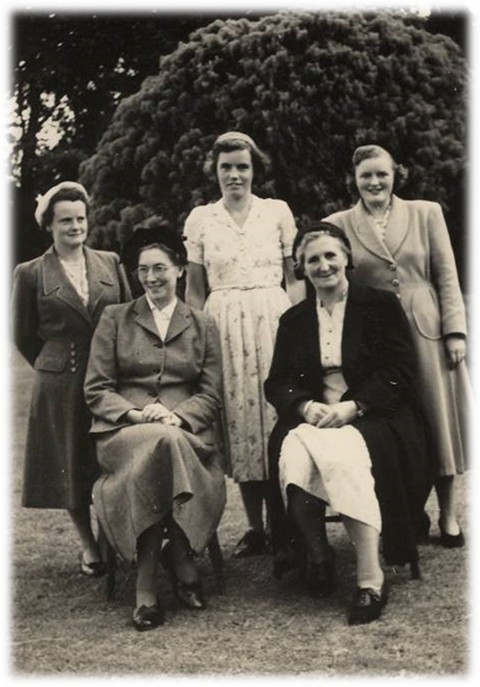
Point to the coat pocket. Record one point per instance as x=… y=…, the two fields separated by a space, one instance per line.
x=53 y=357
x=426 y=316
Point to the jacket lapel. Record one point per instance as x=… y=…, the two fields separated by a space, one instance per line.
x=397 y=227
x=144 y=316
x=352 y=326
x=55 y=279
x=180 y=321
x=98 y=278
x=366 y=234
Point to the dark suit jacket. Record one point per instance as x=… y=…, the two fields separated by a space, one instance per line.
x=52 y=329
x=379 y=366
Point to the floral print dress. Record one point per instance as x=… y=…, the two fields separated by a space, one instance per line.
x=244 y=267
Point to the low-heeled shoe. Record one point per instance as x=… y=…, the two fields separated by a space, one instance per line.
x=450 y=541
x=367 y=605
x=253 y=543
x=147 y=617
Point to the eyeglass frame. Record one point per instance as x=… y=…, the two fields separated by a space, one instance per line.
x=157 y=270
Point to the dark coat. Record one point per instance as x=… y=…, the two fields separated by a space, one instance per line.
x=52 y=329
x=379 y=366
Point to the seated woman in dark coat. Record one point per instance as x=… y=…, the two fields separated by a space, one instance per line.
x=153 y=386
x=342 y=381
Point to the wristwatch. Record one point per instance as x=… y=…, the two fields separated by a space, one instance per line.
x=361 y=410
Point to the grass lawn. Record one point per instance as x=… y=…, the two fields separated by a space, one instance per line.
x=62 y=624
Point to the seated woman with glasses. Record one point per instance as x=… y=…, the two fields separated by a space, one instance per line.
x=153 y=386
x=343 y=383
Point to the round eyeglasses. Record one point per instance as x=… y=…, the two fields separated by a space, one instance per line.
x=157 y=270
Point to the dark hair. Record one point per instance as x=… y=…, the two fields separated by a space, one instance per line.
x=228 y=143
x=154 y=233
x=176 y=258
x=317 y=230
x=72 y=194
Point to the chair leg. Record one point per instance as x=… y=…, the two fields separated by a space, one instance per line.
x=216 y=559
x=110 y=557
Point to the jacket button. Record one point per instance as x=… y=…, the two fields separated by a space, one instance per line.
x=395 y=282
x=393 y=266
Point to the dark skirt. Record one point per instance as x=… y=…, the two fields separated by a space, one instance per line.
x=149 y=471
x=60 y=463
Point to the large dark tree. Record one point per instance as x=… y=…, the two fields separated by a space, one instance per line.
x=71 y=71
x=309 y=87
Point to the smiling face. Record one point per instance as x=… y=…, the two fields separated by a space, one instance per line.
x=324 y=263
x=158 y=275
x=374 y=178
x=69 y=226
x=235 y=173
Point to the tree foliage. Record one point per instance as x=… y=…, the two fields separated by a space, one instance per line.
x=309 y=87
x=69 y=72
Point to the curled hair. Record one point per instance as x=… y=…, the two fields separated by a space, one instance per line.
x=66 y=190
x=236 y=140
x=315 y=231
x=369 y=152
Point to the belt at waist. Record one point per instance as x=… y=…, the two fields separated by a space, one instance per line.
x=244 y=287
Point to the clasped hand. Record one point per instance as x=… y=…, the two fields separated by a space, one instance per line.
x=155 y=412
x=334 y=415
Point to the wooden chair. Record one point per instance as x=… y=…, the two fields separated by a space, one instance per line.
x=110 y=557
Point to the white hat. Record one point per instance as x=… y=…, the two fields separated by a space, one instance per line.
x=43 y=202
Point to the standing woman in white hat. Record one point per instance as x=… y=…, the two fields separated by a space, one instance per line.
x=57 y=300
x=240 y=252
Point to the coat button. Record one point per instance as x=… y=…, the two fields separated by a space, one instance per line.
x=393 y=266
x=395 y=282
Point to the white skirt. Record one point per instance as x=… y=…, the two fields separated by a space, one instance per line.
x=334 y=465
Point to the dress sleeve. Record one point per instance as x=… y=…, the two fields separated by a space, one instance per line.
x=288 y=229
x=193 y=231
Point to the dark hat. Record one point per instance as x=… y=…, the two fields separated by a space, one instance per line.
x=147 y=236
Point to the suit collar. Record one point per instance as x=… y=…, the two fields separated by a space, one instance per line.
x=397 y=229
x=181 y=318
x=55 y=279
x=98 y=276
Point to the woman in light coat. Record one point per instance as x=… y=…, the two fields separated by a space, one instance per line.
x=57 y=300
x=403 y=246
x=153 y=385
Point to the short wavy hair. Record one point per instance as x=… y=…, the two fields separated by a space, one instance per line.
x=315 y=231
x=369 y=152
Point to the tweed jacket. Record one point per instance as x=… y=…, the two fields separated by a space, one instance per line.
x=416 y=262
x=130 y=367
x=50 y=322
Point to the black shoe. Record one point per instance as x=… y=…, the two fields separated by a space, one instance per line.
x=147 y=617
x=253 y=543
x=320 y=577
x=367 y=605
x=450 y=541
x=190 y=594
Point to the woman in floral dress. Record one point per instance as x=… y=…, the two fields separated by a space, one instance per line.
x=240 y=252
